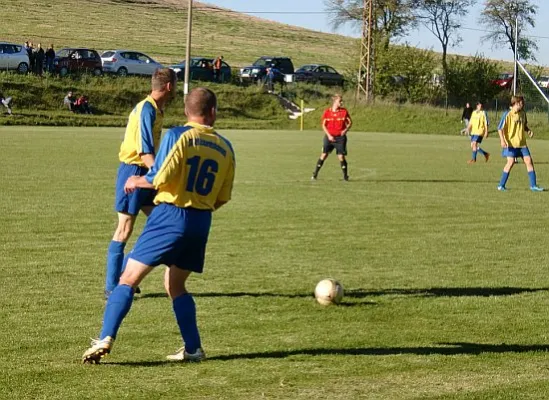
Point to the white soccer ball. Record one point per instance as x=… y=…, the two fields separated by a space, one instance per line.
x=328 y=291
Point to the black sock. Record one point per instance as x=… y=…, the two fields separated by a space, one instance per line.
x=319 y=164
x=344 y=168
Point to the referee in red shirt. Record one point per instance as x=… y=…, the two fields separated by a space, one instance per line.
x=336 y=122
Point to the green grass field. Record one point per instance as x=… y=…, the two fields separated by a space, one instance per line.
x=445 y=277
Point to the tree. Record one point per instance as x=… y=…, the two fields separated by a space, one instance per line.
x=500 y=17
x=443 y=19
x=470 y=79
x=392 y=18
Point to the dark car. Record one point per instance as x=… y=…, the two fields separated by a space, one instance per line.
x=77 y=61
x=258 y=71
x=319 y=73
x=202 y=70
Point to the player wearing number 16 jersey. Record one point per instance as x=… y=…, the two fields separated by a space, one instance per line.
x=193 y=173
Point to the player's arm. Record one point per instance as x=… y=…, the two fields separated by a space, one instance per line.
x=165 y=164
x=502 y=128
x=324 y=128
x=225 y=193
x=146 y=124
x=486 y=124
x=330 y=137
x=348 y=124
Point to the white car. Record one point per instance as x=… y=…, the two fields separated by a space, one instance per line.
x=128 y=62
x=13 y=57
x=544 y=82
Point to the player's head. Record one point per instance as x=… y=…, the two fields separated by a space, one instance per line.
x=164 y=82
x=201 y=106
x=479 y=105
x=517 y=102
x=467 y=105
x=337 y=100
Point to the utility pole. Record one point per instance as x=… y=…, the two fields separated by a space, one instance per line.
x=366 y=66
x=515 y=77
x=188 y=49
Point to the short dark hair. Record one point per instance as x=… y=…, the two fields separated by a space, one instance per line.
x=161 y=77
x=200 y=101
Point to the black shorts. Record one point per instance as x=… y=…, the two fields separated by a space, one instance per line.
x=340 y=145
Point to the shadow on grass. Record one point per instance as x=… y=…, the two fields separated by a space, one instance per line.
x=444 y=349
x=429 y=181
x=362 y=293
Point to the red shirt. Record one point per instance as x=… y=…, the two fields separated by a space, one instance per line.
x=335 y=121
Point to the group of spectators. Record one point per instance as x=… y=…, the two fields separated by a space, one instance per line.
x=40 y=60
x=79 y=105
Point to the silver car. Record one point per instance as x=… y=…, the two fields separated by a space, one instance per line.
x=13 y=57
x=128 y=62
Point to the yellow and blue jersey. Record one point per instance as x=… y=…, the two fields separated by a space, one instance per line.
x=479 y=123
x=194 y=168
x=513 y=124
x=142 y=132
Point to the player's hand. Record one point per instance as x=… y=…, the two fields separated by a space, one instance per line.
x=504 y=144
x=531 y=133
x=331 y=138
x=131 y=184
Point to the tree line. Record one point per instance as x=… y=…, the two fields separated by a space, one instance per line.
x=407 y=72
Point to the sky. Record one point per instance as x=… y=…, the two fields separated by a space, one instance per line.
x=281 y=11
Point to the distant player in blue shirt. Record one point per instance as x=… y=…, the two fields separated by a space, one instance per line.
x=193 y=173
x=136 y=156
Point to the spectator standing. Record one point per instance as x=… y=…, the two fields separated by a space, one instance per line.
x=218 y=63
x=465 y=117
x=40 y=57
x=50 y=56
x=30 y=53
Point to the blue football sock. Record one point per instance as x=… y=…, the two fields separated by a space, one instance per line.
x=481 y=151
x=504 y=178
x=185 y=314
x=115 y=256
x=474 y=156
x=118 y=305
x=532 y=177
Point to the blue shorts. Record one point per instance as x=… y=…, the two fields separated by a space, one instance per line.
x=174 y=236
x=516 y=152
x=477 y=138
x=133 y=202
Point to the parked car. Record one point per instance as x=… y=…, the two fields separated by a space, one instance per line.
x=258 y=70
x=13 y=57
x=504 y=80
x=77 y=60
x=543 y=82
x=128 y=62
x=319 y=73
x=202 y=70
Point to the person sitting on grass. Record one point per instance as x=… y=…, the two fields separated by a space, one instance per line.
x=82 y=105
x=68 y=102
x=5 y=101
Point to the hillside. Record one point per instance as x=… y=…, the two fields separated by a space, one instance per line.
x=158 y=28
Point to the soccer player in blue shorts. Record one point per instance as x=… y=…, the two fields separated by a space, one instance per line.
x=512 y=134
x=137 y=152
x=193 y=173
x=478 y=129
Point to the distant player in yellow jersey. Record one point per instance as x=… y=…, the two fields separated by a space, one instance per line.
x=193 y=173
x=137 y=153
x=512 y=133
x=478 y=129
